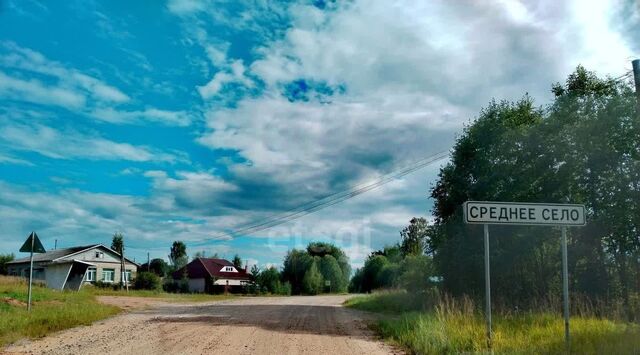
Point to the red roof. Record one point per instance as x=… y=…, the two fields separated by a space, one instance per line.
x=202 y=267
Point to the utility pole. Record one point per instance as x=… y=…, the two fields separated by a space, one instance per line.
x=636 y=77
x=55 y=245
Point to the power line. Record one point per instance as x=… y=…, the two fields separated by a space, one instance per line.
x=333 y=199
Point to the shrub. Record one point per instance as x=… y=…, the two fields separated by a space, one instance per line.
x=102 y=284
x=147 y=281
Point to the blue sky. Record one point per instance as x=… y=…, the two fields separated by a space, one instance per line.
x=183 y=119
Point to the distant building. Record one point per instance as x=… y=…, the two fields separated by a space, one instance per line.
x=213 y=276
x=70 y=268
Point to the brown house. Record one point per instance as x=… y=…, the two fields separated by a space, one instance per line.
x=213 y=276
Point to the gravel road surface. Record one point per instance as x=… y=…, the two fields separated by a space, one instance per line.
x=252 y=325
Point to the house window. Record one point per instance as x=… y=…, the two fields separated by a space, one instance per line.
x=99 y=255
x=108 y=274
x=127 y=275
x=90 y=275
x=228 y=268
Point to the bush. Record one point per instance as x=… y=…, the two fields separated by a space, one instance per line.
x=103 y=285
x=175 y=286
x=147 y=281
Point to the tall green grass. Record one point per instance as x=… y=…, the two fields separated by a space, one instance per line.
x=51 y=310
x=456 y=326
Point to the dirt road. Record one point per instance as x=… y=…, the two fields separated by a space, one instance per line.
x=260 y=325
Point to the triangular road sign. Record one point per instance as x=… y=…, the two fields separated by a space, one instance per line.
x=31 y=242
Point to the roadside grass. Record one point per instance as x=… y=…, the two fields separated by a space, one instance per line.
x=456 y=327
x=51 y=310
x=161 y=295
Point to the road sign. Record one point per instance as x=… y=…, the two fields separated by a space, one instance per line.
x=32 y=244
x=532 y=214
x=327 y=282
x=542 y=214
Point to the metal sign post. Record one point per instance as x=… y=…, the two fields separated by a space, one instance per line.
x=565 y=287
x=532 y=214
x=31 y=245
x=487 y=285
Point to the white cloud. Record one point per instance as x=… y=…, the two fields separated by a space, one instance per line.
x=73 y=90
x=185 y=7
x=70 y=144
x=173 y=118
x=69 y=79
x=36 y=92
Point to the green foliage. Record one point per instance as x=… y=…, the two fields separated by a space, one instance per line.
x=178 y=255
x=415 y=271
x=4 y=259
x=583 y=148
x=313 y=283
x=237 y=261
x=413 y=237
x=372 y=268
x=455 y=326
x=158 y=266
x=330 y=270
x=117 y=242
x=269 y=280
x=147 y=281
x=330 y=263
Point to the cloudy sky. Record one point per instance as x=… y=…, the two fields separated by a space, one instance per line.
x=183 y=120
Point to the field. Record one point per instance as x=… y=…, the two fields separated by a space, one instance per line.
x=456 y=326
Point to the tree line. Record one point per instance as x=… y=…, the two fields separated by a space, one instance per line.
x=584 y=148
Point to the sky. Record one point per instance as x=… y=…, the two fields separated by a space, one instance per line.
x=184 y=119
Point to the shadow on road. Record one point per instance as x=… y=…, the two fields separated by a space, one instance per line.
x=290 y=319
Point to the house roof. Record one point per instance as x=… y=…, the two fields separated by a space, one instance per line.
x=201 y=267
x=54 y=255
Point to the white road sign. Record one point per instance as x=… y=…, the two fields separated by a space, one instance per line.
x=543 y=214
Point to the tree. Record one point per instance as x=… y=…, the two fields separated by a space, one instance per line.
x=147 y=281
x=582 y=148
x=296 y=264
x=178 y=255
x=415 y=271
x=237 y=261
x=269 y=280
x=413 y=237
x=330 y=270
x=157 y=266
x=117 y=242
x=372 y=268
x=312 y=283
x=199 y=254
x=4 y=259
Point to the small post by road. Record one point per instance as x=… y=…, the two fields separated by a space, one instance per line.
x=636 y=78
x=487 y=285
x=565 y=288
x=31 y=245
x=30 y=274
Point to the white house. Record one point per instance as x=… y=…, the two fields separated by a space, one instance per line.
x=70 y=268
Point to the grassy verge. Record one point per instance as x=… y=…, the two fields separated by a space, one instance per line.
x=51 y=310
x=452 y=327
x=164 y=296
